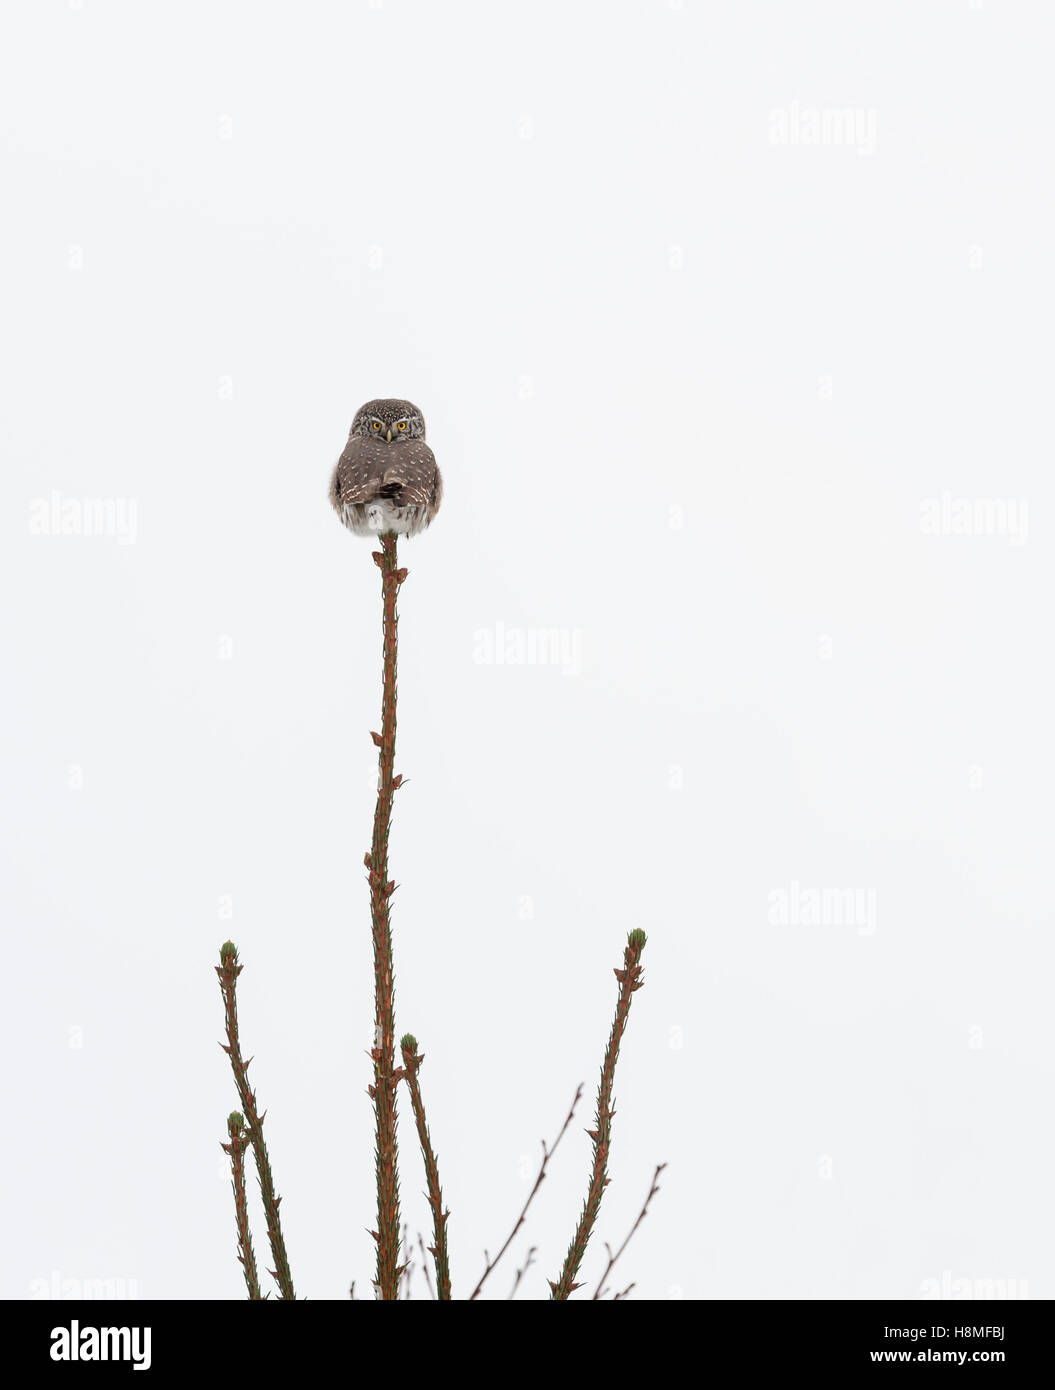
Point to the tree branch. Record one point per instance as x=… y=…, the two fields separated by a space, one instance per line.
x=599 y=1292
x=629 y=981
x=412 y=1061
x=228 y=970
x=547 y=1154
x=383 y=1091
x=235 y=1151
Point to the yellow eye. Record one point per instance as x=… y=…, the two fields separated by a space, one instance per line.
x=402 y=425
x=376 y=425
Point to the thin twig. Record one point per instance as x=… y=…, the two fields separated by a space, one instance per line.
x=522 y=1271
x=425 y=1268
x=408 y=1264
x=629 y=981
x=412 y=1061
x=235 y=1150
x=383 y=1091
x=547 y=1154
x=228 y=970
x=599 y=1292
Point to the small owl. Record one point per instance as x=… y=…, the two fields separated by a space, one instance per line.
x=386 y=479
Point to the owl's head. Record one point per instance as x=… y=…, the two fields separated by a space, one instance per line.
x=389 y=421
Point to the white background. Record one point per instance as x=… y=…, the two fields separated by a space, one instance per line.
x=693 y=384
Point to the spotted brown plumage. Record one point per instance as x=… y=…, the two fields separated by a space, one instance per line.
x=387 y=478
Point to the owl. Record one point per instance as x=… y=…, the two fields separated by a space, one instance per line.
x=386 y=479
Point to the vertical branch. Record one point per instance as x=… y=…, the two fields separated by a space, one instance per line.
x=235 y=1150
x=629 y=981
x=228 y=970
x=383 y=1091
x=412 y=1060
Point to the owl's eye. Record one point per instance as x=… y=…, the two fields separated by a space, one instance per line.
x=402 y=425
x=376 y=425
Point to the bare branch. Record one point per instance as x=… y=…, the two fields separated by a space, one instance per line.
x=547 y=1154
x=425 y=1267
x=522 y=1271
x=629 y=980
x=599 y=1292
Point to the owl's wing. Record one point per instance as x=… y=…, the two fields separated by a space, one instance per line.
x=410 y=476
x=357 y=476
x=437 y=495
x=404 y=474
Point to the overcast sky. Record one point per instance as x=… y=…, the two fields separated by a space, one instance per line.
x=731 y=327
